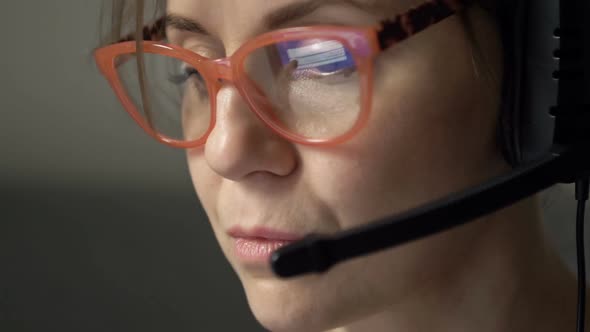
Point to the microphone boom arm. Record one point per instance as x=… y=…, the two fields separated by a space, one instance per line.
x=317 y=253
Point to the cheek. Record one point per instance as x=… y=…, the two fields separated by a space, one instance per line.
x=431 y=132
x=206 y=183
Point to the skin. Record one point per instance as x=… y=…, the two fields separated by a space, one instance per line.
x=431 y=132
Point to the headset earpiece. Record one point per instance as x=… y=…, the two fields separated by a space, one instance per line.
x=529 y=89
x=539 y=86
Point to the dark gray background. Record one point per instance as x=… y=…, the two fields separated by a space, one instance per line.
x=100 y=229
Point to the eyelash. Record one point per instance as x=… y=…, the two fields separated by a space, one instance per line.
x=179 y=79
x=182 y=78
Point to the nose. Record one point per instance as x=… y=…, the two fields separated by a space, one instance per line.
x=240 y=144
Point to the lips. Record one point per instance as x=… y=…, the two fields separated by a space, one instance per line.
x=256 y=245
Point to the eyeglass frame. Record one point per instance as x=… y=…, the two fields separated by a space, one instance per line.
x=365 y=43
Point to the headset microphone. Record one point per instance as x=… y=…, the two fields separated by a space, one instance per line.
x=564 y=159
x=317 y=253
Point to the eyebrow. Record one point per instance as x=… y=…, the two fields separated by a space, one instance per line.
x=184 y=24
x=277 y=18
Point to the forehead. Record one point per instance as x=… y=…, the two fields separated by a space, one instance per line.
x=263 y=5
x=235 y=21
x=249 y=11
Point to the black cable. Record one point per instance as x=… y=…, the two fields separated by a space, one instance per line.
x=582 y=188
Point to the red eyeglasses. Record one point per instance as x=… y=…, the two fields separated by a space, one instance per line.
x=310 y=85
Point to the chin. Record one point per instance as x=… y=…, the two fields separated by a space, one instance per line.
x=281 y=306
x=307 y=304
x=286 y=317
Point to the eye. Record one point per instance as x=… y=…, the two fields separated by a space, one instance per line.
x=332 y=77
x=186 y=73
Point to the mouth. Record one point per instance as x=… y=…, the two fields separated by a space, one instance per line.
x=256 y=245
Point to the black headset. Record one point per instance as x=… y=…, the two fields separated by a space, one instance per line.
x=544 y=131
x=528 y=89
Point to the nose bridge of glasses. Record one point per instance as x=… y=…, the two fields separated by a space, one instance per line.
x=223 y=70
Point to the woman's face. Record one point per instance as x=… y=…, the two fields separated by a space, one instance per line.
x=431 y=132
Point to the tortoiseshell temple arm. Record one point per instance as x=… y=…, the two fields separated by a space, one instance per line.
x=392 y=31
x=417 y=19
